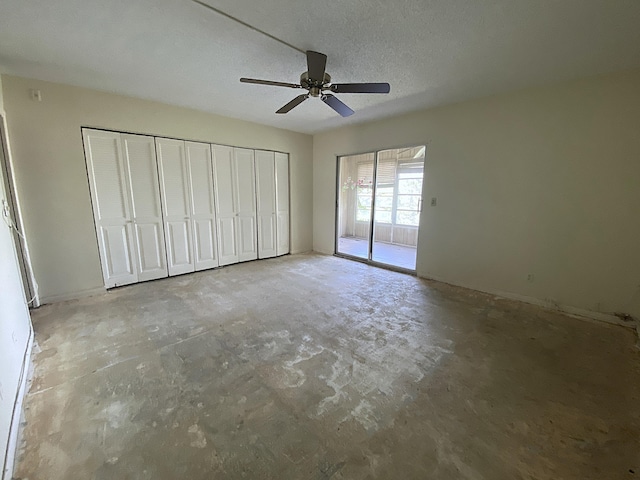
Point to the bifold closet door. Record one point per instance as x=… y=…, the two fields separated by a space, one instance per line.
x=245 y=193
x=111 y=206
x=203 y=217
x=148 y=233
x=235 y=199
x=225 y=203
x=266 y=205
x=174 y=187
x=282 y=203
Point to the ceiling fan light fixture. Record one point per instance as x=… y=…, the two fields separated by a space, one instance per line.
x=316 y=81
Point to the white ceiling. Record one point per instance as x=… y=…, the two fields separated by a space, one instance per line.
x=432 y=52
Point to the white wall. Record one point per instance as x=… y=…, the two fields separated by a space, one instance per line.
x=15 y=329
x=52 y=184
x=544 y=181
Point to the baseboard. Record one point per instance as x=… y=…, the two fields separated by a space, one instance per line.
x=568 y=309
x=72 y=296
x=300 y=252
x=14 y=429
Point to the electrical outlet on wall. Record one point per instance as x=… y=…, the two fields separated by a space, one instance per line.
x=434 y=201
x=530 y=278
x=35 y=95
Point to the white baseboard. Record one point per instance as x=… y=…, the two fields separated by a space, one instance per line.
x=14 y=429
x=300 y=252
x=568 y=309
x=72 y=296
x=574 y=311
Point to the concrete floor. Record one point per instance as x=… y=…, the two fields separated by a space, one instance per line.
x=314 y=367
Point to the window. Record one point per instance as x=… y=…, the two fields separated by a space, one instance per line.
x=364 y=191
x=398 y=193
x=385 y=189
x=384 y=203
x=409 y=196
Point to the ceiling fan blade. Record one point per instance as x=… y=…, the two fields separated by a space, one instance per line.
x=269 y=82
x=316 y=63
x=293 y=103
x=337 y=105
x=360 y=88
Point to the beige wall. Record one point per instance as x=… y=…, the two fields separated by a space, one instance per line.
x=543 y=182
x=52 y=182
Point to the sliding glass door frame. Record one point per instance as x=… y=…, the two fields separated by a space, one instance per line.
x=372 y=227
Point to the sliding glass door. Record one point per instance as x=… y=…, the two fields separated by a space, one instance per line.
x=379 y=204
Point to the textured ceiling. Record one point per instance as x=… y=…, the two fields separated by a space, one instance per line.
x=432 y=52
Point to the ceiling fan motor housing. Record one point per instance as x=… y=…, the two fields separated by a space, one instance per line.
x=314 y=86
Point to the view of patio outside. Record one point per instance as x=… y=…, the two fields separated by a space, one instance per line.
x=396 y=210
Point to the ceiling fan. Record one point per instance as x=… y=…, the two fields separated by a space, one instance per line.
x=316 y=81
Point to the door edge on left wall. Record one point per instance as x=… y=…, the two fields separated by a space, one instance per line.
x=12 y=450
x=30 y=285
x=16 y=336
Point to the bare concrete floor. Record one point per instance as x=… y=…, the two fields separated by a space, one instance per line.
x=313 y=367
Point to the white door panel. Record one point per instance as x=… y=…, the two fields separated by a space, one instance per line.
x=223 y=169
x=140 y=157
x=118 y=254
x=176 y=204
x=283 y=233
x=245 y=194
x=173 y=177
x=151 y=254
x=108 y=175
x=247 y=248
x=227 y=241
x=267 y=235
x=282 y=203
x=201 y=177
x=266 y=203
x=244 y=180
x=111 y=206
x=202 y=205
x=225 y=203
x=205 y=251
x=179 y=247
x=140 y=154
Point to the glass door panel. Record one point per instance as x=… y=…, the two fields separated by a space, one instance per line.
x=398 y=202
x=355 y=201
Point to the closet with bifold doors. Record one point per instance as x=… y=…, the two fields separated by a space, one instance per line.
x=186 y=188
x=165 y=207
x=123 y=181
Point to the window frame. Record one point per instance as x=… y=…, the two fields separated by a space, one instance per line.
x=395 y=194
